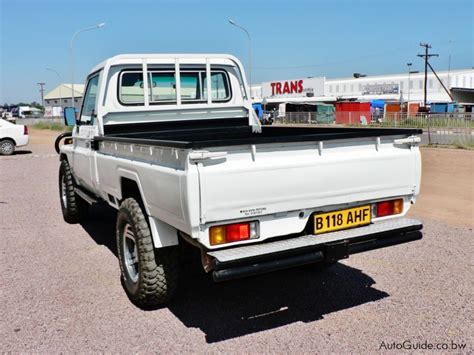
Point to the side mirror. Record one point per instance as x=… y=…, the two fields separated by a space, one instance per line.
x=69 y=116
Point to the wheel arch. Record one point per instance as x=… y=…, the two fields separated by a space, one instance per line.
x=163 y=234
x=8 y=139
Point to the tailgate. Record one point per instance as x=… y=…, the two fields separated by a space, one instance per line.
x=255 y=180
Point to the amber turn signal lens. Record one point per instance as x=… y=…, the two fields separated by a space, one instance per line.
x=217 y=235
x=398 y=206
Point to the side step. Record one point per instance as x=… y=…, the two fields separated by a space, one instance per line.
x=89 y=198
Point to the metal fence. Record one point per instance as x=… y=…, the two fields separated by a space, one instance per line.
x=444 y=128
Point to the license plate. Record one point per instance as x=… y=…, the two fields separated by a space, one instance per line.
x=343 y=219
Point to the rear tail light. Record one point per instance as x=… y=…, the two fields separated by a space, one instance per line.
x=387 y=208
x=232 y=233
x=25 y=130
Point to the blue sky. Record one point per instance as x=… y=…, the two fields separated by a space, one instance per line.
x=291 y=39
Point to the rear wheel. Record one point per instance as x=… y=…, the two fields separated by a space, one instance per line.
x=73 y=207
x=7 y=147
x=149 y=275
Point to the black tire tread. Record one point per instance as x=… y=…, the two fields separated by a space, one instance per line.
x=76 y=208
x=158 y=268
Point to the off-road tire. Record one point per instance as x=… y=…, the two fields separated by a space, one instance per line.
x=73 y=207
x=7 y=147
x=156 y=270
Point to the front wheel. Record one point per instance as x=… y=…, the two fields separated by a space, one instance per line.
x=149 y=275
x=73 y=207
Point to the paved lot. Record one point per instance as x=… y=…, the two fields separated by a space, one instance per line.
x=60 y=287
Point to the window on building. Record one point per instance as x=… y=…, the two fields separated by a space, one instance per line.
x=337 y=88
x=352 y=88
x=65 y=101
x=55 y=101
x=411 y=84
x=420 y=84
x=344 y=88
x=401 y=85
x=329 y=88
x=430 y=83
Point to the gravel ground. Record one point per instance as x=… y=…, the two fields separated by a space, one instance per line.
x=61 y=289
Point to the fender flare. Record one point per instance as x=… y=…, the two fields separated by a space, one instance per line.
x=163 y=234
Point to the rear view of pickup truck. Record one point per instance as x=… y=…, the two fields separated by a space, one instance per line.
x=182 y=166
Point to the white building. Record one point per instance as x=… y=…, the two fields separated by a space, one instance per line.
x=61 y=97
x=397 y=87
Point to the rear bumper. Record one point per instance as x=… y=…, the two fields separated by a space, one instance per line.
x=22 y=140
x=261 y=258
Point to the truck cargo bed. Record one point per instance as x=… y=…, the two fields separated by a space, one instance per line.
x=190 y=136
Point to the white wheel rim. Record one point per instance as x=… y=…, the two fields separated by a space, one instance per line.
x=7 y=147
x=63 y=191
x=130 y=252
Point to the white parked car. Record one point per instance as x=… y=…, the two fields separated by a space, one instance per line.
x=173 y=144
x=12 y=136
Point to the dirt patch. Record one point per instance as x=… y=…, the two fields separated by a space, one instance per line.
x=42 y=136
x=447 y=189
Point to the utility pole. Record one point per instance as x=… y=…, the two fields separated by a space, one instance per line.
x=42 y=92
x=426 y=56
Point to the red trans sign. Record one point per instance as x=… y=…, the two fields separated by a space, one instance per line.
x=287 y=87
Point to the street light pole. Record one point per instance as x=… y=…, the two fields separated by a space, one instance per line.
x=449 y=65
x=250 y=53
x=71 y=45
x=60 y=93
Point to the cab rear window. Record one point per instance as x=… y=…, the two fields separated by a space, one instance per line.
x=131 y=87
x=162 y=87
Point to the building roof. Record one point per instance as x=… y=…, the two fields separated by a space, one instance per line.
x=64 y=91
x=413 y=75
x=463 y=96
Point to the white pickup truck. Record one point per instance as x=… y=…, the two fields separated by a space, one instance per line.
x=184 y=166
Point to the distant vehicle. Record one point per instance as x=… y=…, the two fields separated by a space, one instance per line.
x=8 y=116
x=11 y=136
x=27 y=112
x=33 y=114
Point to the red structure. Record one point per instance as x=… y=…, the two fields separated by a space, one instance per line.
x=348 y=112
